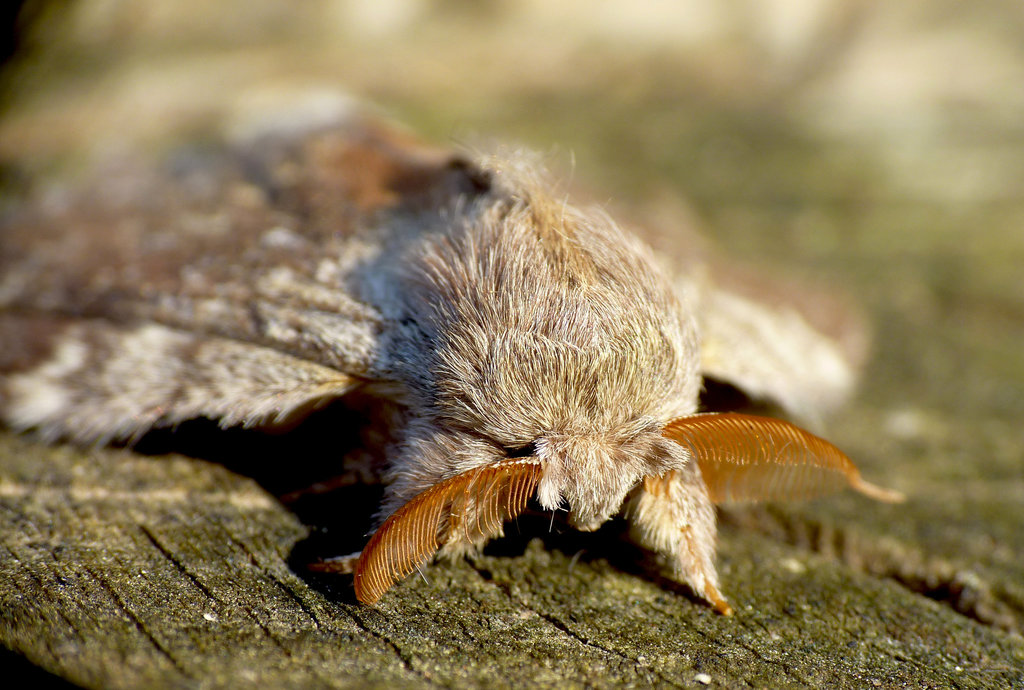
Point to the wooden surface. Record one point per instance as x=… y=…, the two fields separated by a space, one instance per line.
x=123 y=570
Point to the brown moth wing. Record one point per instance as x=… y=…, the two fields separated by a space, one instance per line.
x=255 y=242
x=743 y=458
x=227 y=283
x=468 y=508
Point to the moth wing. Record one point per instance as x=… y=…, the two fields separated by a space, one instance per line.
x=281 y=240
x=242 y=281
x=775 y=339
x=780 y=342
x=97 y=381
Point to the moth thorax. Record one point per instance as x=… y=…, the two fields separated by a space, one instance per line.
x=594 y=472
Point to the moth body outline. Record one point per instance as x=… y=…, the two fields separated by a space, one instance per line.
x=493 y=313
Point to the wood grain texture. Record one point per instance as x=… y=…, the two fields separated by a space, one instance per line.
x=121 y=571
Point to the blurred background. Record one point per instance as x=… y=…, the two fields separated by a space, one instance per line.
x=875 y=146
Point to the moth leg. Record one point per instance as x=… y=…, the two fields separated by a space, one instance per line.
x=672 y=515
x=343 y=565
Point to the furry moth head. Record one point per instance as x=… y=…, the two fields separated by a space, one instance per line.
x=533 y=350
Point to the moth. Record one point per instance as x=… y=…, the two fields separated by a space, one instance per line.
x=522 y=348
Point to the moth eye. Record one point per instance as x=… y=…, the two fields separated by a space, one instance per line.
x=468 y=507
x=743 y=458
x=527 y=451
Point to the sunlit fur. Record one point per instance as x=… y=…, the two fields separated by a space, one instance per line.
x=539 y=324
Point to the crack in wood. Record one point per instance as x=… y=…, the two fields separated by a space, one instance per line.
x=137 y=622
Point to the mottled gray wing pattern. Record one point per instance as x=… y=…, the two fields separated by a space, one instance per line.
x=243 y=282
x=93 y=380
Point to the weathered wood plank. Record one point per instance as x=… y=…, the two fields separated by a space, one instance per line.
x=122 y=570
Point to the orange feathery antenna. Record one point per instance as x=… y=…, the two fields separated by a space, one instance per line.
x=744 y=458
x=471 y=506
